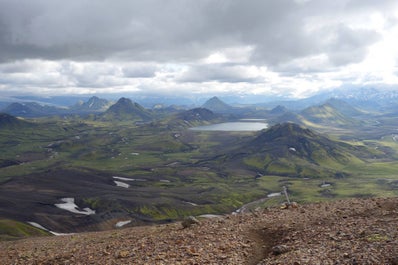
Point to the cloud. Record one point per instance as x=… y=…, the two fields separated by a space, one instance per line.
x=140 y=71
x=173 y=30
x=155 y=44
x=221 y=73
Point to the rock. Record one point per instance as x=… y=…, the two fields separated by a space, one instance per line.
x=394 y=260
x=122 y=254
x=280 y=249
x=189 y=221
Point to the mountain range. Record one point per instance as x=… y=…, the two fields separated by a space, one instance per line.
x=122 y=161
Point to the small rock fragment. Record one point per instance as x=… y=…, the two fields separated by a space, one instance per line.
x=280 y=249
x=189 y=221
x=122 y=254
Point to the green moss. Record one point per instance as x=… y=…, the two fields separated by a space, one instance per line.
x=376 y=238
x=10 y=229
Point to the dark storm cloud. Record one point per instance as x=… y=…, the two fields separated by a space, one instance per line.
x=160 y=44
x=174 y=30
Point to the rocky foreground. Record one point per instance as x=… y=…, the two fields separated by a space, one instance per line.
x=355 y=231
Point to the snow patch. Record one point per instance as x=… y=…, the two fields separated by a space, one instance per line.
x=274 y=194
x=69 y=205
x=121 y=184
x=209 y=216
x=128 y=179
x=122 y=223
x=45 y=229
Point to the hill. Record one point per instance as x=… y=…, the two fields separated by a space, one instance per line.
x=125 y=109
x=10 y=122
x=355 y=231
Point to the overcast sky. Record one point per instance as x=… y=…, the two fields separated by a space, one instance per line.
x=215 y=47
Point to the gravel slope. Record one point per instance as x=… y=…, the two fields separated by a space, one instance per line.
x=355 y=231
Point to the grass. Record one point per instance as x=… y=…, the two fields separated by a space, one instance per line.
x=157 y=154
x=10 y=229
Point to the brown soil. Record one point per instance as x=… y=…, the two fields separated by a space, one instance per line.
x=355 y=231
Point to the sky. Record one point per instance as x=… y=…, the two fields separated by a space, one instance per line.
x=292 y=48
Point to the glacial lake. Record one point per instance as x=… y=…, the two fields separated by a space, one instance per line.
x=238 y=126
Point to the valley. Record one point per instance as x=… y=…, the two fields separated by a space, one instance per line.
x=130 y=166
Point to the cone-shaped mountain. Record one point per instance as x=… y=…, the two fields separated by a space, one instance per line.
x=216 y=105
x=125 y=109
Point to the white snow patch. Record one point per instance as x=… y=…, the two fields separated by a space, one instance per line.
x=165 y=180
x=135 y=154
x=69 y=205
x=210 y=216
x=274 y=194
x=128 y=179
x=326 y=185
x=45 y=229
x=122 y=223
x=191 y=203
x=121 y=184
x=292 y=149
x=38 y=226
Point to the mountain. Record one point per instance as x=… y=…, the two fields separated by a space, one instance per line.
x=279 y=110
x=290 y=150
x=125 y=109
x=197 y=114
x=62 y=101
x=366 y=98
x=193 y=117
x=32 y=109
x=287 y=117
x=94 y=104
x=344 y=107
x=10 y=122
x=218 y=106
x=330 y=115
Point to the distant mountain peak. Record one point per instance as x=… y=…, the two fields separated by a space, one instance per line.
x=94 y=104
x=217 y=105
x=279 y=110
x=125 y=109
x=333 y=112
x=197 y=114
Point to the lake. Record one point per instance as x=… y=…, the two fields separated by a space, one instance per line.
x=238 y=126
